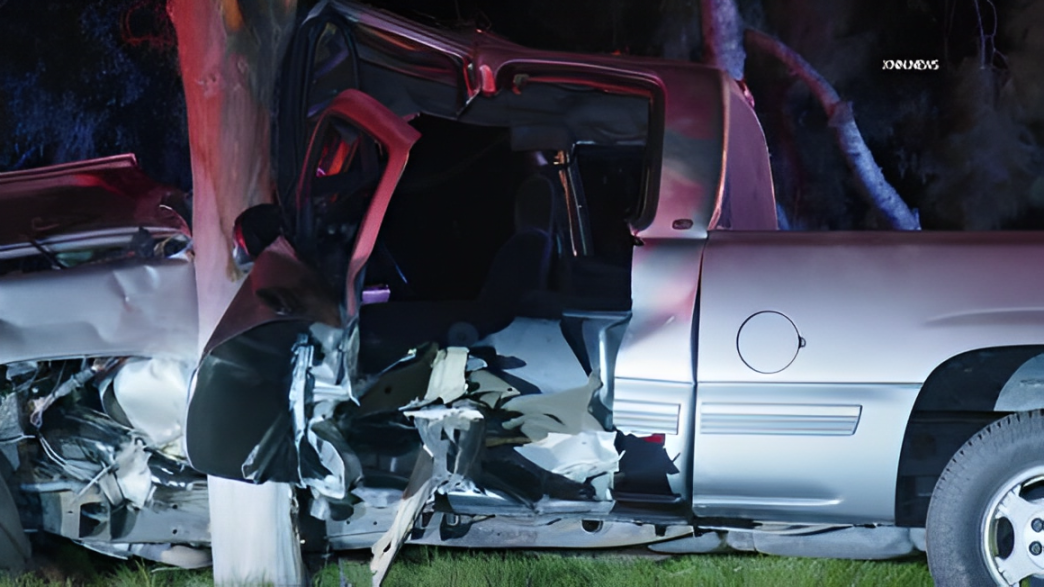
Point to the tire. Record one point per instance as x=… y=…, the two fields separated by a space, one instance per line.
x=986 y=516
x=14 y=546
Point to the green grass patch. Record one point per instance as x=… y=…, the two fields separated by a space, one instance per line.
x=71 y=566
x=434 y=567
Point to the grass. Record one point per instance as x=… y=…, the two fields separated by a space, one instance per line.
x=435 y=567
x=71 y=566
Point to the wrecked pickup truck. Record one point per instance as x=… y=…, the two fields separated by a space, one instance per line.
x=99 y=340
x=515 y=298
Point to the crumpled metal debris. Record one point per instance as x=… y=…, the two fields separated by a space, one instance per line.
x=91 y=448
x=447 y=378
x=325 y=463
x=452 y=437
x=564 y=412
x=490 y=390
x=63 y=389
x=588 y=455
x=420 y=488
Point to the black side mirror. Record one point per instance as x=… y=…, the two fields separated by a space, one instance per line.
x=255 y=229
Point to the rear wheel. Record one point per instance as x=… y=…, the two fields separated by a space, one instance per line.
x=986 y=518
x=14 y=547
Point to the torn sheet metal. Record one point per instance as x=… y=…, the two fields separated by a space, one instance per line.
x=490 y=390
x=333 y=372
x=564 y=412
x=127 y=308
x=338 y=468
x=447 y=378
x=452 y=438
x=579 y=457
x=300 y=387
x=420 y=488
x=326 y=464
x=248 y=362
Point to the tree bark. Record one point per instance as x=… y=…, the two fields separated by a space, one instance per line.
x=722 y=30
x=860 y=160
x=229 y=53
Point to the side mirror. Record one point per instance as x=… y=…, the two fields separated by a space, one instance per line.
x=255 y=229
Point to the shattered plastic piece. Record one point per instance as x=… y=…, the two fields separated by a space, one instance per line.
x=578 y=457
x=447 y=378
x=565 y=412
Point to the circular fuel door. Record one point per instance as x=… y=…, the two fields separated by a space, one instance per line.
x=768 y=342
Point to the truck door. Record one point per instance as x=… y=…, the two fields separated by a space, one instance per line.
x=238 y=425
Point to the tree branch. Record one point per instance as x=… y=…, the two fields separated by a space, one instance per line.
x=860 y=160
x=722 y=30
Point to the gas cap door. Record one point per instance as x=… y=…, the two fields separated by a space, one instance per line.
x=768 y=342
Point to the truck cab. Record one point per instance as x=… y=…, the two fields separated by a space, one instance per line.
x=506 y=289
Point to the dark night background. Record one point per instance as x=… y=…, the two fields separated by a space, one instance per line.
x=963 y=144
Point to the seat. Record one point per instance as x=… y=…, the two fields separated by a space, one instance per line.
x=518 y=271
x=522 y=264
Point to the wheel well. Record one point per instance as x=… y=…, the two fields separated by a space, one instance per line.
x=957 y=400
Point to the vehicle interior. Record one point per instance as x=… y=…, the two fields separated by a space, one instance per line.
x=509 y=234
x=478 y=234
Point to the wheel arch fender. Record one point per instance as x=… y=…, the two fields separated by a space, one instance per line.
x=961 y=396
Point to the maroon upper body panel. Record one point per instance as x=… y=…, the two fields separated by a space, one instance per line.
x=80 y=198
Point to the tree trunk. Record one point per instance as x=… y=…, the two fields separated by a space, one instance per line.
x=229 y=54
x=722 y=30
